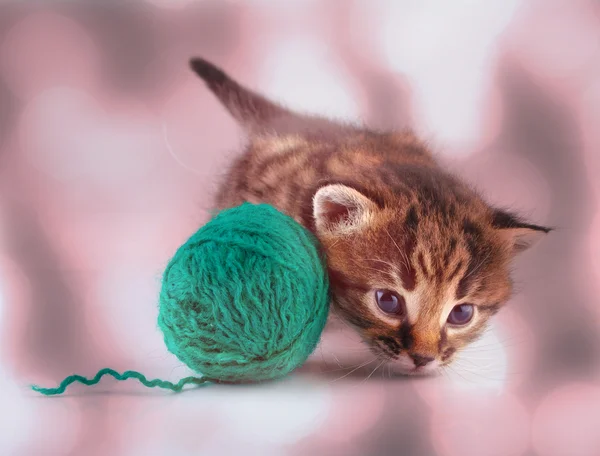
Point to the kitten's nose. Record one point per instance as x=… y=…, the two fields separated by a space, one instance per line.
x=420 y=360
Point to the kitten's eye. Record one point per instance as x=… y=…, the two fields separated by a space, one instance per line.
x=390 y=302
x=461 y=314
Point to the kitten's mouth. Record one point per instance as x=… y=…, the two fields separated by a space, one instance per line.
x=423 y=371
x=404 y=365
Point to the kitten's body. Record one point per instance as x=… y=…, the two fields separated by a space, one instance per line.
x=406 y=242
x=287 y=170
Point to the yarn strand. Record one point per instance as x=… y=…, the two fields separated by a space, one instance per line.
x=120 y=377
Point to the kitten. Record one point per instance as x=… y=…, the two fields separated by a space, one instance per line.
x=418 y=261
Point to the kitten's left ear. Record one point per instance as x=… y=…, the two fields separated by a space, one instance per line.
x=520 y=234
x=339 y=209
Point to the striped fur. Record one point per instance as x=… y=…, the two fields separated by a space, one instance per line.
x=387 y=216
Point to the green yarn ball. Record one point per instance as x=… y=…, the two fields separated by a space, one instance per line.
x=246 y=298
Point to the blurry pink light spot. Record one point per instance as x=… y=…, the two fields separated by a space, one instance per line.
x=199 y=133
x=475 y=425
x=518 y=340
x=495 y=364
x=17 y=412
x=590 y=119
x=45 y=50
x=69 y=135
x=49 y=130
x=59 y=425
x=91 y=239
x=279 y=413
x=15 y=304
x=170 y=70
x=306 y=76
x=171 y=4
x=492 y=116
x=566 y=422
x=448 y=105
x=480 y=369
x=513 y=181
x=118 y=298
x=356 y=409
x=595 y=241
x=124 y=145
x=558 y=40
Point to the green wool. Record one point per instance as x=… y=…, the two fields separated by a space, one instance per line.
x=245 y=299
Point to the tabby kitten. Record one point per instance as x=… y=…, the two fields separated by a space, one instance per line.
x=418 y=261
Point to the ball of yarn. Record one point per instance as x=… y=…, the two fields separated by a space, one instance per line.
x=245 y=299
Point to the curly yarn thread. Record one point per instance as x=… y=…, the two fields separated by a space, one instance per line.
x=176 y=387
x=245 y=299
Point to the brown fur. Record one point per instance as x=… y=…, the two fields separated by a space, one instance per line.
x=387 y=216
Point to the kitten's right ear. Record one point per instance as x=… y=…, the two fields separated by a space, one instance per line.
x=251 y=110
x=520 y=234
x=339 y=209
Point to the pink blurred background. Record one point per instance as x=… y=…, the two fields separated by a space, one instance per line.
x=110 y=151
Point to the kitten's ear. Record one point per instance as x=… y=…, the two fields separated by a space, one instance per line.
x=341 y=209
x=251 y=110
x=520 y=234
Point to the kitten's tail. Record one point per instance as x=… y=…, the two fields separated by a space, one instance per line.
x=251 y=110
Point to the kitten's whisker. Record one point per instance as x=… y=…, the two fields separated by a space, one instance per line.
x=481 y=263
x=337 y=361
x=379 y=270
x=478 y=358
x=345 y=323
x=357 y=349
x=391 y=265
x=335 y=243
x=456 y=372
x=442 y=370
x=402 y=253
x=355 y=369
x=515 y=338
x=499 y=343
x=489 y=348
x=346 y=367
x=460 y=362
x=492 y=330
x=483 y=277
x=179 y=366
x=378 y=366
x=481 y=373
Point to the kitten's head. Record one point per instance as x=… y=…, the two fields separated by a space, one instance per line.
x=418 y=272
x=418 y=261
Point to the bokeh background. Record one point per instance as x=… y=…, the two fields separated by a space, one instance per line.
x=110 y=151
